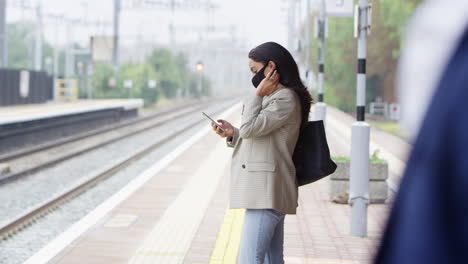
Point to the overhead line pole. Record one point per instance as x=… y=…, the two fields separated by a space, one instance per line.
x=3 y=34
x=38 y=40
x=115 y=51
x=291 y=24
x=307 y=42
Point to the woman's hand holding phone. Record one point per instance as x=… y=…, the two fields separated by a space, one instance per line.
x=228 y=128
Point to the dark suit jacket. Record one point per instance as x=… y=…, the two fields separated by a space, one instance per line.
x=429 y=220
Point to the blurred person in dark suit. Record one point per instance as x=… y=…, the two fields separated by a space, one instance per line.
x=429 y=219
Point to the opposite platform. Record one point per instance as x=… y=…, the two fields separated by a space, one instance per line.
x=32 y=112
x=26 y=126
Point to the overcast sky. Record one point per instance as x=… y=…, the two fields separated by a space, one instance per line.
x=256 y=21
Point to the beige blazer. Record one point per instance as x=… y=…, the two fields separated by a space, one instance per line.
x=262 y=171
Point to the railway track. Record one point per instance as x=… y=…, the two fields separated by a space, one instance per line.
x=28 y=161
x=29 y=217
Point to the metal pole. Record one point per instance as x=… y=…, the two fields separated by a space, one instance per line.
x=69 y=56
x=3 y=34
x=199 y=84
x=171 y=27
x=38 y=45
x=55 y=53
x=321 y=107
x=89 y=76
x=291 y=32
x=115 y=52
x=359 y=171
x=297 y=25
x=307 y=42
x=55 y=61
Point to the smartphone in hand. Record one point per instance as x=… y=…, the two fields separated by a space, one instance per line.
x=216 y=123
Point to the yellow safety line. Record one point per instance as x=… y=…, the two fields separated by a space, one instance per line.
x=227 y=244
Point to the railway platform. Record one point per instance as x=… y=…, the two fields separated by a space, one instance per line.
x=25 y=125
x=177 y=212
x=32 y=112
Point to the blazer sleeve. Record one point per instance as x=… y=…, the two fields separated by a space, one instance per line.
x=232 y=141
x=256 y=122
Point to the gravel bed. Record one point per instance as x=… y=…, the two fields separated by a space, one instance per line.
x=36 y=188
x=143 y=112
x=32 y=160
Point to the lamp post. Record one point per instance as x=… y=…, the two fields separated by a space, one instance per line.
x=128 y=85
x=152 y=86
x=200 y=68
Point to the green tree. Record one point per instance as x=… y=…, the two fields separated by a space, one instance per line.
x=139 y=74
x=21 y=37
x=340 y=57
x=168 y=72
x=184 y=72
x=100 y=82
x=388 y=21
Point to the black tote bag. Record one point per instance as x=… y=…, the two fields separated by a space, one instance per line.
x=311 y=155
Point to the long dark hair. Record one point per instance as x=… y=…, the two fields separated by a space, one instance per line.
x=289 y=73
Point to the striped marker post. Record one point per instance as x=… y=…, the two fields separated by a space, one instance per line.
x=360 y=135
x=321 y=107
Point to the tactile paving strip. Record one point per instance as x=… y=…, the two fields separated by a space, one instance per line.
x=170 y=239
x=227 y=244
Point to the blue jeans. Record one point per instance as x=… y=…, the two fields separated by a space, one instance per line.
x=262 y=237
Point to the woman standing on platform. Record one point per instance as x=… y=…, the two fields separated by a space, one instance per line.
x=263 y=175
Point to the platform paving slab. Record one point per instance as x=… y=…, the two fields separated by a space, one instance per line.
x=318 y=233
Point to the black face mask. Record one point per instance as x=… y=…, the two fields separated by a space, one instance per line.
x=259 y=76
